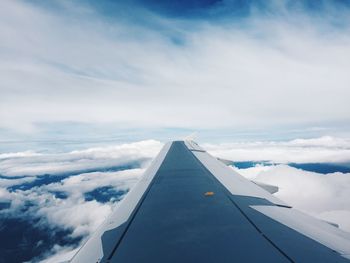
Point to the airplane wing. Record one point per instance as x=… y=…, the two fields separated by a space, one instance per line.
x=190 y=207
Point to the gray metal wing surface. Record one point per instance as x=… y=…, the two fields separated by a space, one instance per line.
x=190 y=207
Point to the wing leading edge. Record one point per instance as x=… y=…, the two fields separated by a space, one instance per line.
x=190 y=207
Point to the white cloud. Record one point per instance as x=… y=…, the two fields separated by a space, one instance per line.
x=7 y=182
x=268 y=73
x=72 y=213
x=325 y=196
x=325 y=141
x=76 y=213
x=31 y=164
x=18 y=154
x=84 y=217
x=76 y=186
x=324 y=149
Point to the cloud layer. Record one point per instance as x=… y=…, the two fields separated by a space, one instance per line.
x=325 y=149
x=325 y=196
x=77 y=65
x=69 y=194
x=94 y=159
x=66 y=195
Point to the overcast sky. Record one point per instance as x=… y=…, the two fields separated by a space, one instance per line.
x=257 y=68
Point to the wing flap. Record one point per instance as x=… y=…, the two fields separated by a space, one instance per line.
x=233 y=181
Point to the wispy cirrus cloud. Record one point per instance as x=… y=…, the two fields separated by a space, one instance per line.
x=282 y=68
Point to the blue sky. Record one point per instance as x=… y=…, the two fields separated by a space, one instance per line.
x=132 y=70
